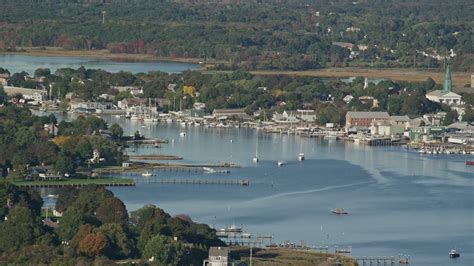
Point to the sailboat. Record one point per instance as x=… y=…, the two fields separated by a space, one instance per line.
x=255 y=159
x=301 y=154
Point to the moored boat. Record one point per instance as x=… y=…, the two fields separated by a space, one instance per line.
x=454 y=254
x=469 y=162
x=339 y=211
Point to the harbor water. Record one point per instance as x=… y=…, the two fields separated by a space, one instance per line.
x=16 y=63
x=399 y=202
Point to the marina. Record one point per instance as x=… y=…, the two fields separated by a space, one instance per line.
x=286 y=201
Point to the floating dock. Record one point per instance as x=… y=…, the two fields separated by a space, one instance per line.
x=240 y=182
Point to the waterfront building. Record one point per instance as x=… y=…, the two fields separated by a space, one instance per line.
x=28 y=94
x=400 y=120
x=218 y=256
x=446 y=95
x=285 y=117
x=224 y=114
x=365 y=119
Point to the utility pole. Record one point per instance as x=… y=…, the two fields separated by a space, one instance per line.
x=103 y=16
x=250 y=255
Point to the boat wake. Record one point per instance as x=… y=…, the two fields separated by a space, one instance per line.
x=286 y=194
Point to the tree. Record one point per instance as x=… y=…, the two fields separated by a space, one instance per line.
x=120 y=246
x=163 y=251
x=17 y=230
x=112 y=210
x=451 y=117
x=468 y=115
x=93 y=244
x=70 y=222
x=64 y=164
x=42 y=72
x=3 y=95
x=117 y=131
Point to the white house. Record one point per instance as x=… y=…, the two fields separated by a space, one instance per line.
x=218 y=256
x=348 y=98
x=286 y=117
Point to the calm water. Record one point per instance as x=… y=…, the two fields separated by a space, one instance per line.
x=18 y=63
x=399 y=202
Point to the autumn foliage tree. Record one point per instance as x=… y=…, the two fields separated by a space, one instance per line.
x=93 y=244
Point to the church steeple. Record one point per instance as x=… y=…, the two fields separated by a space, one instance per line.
x=448 y=83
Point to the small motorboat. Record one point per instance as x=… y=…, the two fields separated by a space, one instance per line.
x=280 y=163
x=146 y=174
x=182 y=134
x=255 y=159
x=454 y=254
x=339 y=211
x=301 y=157
x=469 y=162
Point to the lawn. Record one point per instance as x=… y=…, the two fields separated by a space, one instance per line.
x=75 y=182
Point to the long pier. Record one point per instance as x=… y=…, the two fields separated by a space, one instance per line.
x=241 y=182
x=151 y=157
x=382 y=261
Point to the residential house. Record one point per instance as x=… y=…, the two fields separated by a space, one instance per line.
x=134 y=90
x=4 y=77
x=348 y=98
x=306 y=115
x=172 y=87
x=365 y=119
x=286 y=117
x=218 y=256
x=131 y=102
x=223 y=114
x=369 y=100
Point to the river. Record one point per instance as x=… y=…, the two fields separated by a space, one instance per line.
x=399 y=202
x=29 y=63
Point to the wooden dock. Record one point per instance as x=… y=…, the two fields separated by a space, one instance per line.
x=153 y=157
x=383 y=261
x=241 y=182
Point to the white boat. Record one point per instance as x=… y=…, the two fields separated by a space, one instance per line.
x=182 y=134
x=454 y=254
x=280 y=163
x=255 y=159
x=146 y=174
x=208 y=170
x=421 y=151
x=169 y=120
x=301 y=156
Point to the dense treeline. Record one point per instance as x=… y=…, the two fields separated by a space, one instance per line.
x=255 y=34
x=25 y=142
x=95 y=229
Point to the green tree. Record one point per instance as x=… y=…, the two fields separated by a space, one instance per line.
x=120 y=246
x=18 y=230
x=117 y=131
x=451 y=117
x=70 y=222
x=163 y=251
x=112 y=210
x=468 y=115
x=3 y=95
x=64 y=164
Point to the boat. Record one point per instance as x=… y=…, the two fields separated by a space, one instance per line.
x=339 y=211
x=146 y=174
x=182 y=134
x=454 y=254
x=280 y=163
x=255 y=159
x=301 y=156
x=469 y=162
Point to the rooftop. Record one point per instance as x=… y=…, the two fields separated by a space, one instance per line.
x=218 y=251
x=354 y=114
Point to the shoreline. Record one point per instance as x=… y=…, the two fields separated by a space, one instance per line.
x=103 y=54
x=460 y=79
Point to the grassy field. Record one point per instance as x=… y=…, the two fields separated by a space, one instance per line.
x=285 y=256
x=459 y=78
x=75 y=182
